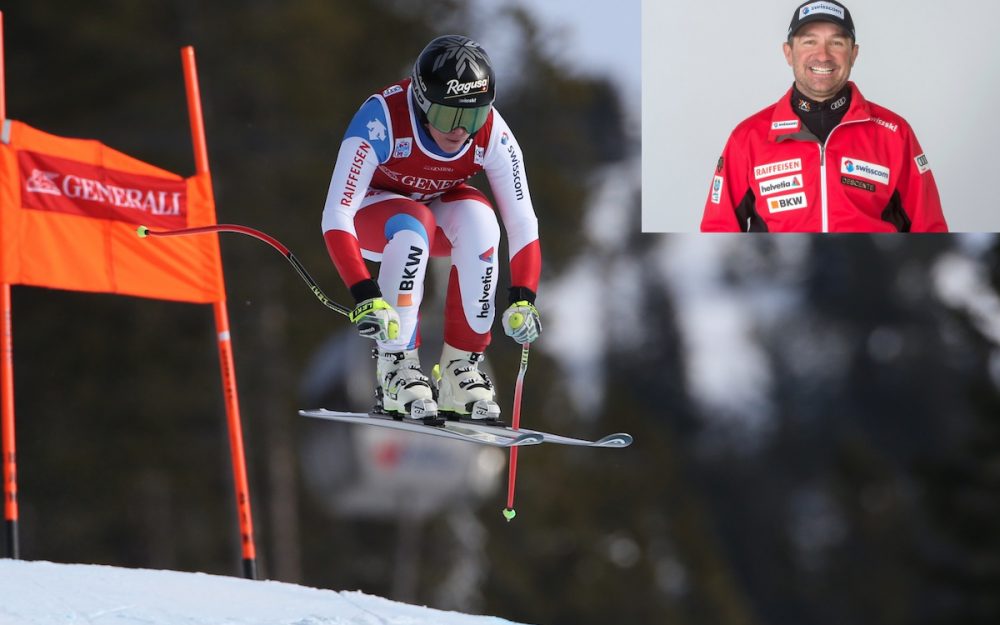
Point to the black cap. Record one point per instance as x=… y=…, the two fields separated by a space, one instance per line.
x=822 y=11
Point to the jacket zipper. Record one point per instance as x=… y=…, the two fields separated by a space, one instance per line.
x=822 y=171
x=822 y=187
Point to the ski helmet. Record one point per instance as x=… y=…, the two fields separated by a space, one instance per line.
x=454 y=84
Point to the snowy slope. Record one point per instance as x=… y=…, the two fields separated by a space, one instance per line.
x=37 y=593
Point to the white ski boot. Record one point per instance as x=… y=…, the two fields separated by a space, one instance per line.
x=403 y=390
x=463 y=390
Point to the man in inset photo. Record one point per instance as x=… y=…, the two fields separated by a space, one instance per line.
x=823 y=159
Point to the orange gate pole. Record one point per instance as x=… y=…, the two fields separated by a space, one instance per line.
x=9 y=455
x=7 y=379
x=222 y=330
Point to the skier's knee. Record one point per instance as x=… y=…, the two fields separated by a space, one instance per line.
x=419 y=221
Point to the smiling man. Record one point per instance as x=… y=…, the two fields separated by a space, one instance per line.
x=823 y=159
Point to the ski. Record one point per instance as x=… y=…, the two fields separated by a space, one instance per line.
x=496 y=437
x=485 y=433
x=616 y=440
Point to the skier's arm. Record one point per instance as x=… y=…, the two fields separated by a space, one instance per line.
x=504 y=166
x=366 y=144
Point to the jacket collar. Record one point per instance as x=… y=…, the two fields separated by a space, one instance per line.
x=785 y=124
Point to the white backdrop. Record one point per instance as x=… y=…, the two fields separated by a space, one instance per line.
x=707 y=66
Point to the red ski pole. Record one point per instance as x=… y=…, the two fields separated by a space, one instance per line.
x=509 y=512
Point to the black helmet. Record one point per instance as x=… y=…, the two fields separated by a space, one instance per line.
x=454 y=84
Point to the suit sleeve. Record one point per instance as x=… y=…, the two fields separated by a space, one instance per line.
x=504 y=166
x=727 y=191
x=365 y=145
x=918 y=190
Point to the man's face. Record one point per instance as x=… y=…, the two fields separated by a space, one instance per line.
x=821 y=56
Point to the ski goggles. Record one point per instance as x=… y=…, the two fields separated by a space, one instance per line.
x=448 y=118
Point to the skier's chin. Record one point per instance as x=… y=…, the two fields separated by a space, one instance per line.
x=451 y=145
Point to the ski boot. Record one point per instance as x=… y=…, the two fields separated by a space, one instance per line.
x=403 y=390
x=464 y=392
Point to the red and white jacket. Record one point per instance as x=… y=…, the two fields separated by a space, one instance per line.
x=384 y=149
x=870 y=176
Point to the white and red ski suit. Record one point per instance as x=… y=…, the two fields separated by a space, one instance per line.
x=395 y=198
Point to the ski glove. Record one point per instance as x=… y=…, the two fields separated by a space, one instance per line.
x=521 y=322
x=376 y=319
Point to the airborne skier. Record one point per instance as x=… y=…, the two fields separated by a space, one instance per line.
x=398 y=195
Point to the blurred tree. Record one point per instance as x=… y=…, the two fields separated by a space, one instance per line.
x=958 y=560
x=824 y=521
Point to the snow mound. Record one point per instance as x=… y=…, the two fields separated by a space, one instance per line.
x=37 y=593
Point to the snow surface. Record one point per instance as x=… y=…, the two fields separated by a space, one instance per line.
x=37 y=593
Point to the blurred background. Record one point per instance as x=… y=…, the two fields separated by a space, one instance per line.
x=816 y=418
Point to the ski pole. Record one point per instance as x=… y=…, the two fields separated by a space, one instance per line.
x=509 y=512
x=144 y=232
